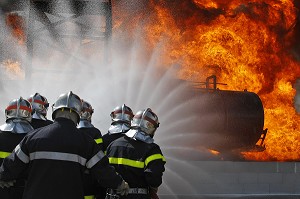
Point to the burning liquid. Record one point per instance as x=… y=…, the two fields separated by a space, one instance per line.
x=247 y=45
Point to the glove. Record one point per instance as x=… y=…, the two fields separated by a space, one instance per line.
x=123 y=188
x=6 y=184
x=153 y=192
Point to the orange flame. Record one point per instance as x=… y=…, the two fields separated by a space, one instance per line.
x=245 y=44
x=214 y=152
x=16 y=24
x=12 y=70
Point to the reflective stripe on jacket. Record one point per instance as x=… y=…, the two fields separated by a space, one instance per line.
x=136 y=163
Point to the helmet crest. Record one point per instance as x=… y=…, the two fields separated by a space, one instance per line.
x=122 y=114
x=18 y=109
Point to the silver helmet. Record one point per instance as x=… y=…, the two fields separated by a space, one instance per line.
x=121 y=114
x=68 y=101
x=145 y=120
x=39 y=104
x=18 y=109
x=87 y=111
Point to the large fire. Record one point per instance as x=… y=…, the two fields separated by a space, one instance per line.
x=247 y=45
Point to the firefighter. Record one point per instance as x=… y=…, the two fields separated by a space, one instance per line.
x=17 y=125
x=86 y=126
x=91 y=186
x=39 y=110
x=57 y=155
x=137 y=158
x=121 y=117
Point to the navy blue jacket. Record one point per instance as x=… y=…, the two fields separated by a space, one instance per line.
x=56 y=157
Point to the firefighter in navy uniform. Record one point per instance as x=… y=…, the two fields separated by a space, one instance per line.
x=137 y=158
x=18 y=116
x=39 y=111
x=86 y=126
x=91 y=187
x=121 y=118
x=57 y=155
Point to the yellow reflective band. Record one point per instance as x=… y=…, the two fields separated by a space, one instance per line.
x=4 y=154
x=98 y=141
x=124 y=161
x=154 y=157
x=89 y=197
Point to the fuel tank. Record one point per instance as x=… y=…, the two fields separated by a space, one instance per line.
x=222 y=120
x=230 y=119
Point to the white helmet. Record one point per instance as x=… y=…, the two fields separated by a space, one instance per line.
x=69 y=101
x=39 y=103
x=19 y=109
x=145 y=120
x=121 y=114
x=87 y=111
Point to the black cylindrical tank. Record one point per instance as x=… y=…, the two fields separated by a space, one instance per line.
x=229 y=119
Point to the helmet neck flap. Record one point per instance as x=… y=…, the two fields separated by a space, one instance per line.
x=137 y=134
x=85 y=124
x=18 y=126
x=67 y=114
x=118 y=127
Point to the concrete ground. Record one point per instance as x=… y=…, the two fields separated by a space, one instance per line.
x=230 y=179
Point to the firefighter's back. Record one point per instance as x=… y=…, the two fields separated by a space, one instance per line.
x=57 y=153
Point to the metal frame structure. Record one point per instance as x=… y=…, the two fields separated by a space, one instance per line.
x=79 y=8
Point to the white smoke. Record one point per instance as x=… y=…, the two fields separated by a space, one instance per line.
x=80 y=65
x=106 y=77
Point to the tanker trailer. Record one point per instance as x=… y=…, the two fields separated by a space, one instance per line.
x=214 y=124
x=229 y=120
